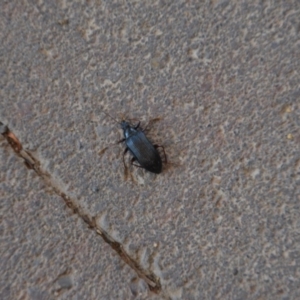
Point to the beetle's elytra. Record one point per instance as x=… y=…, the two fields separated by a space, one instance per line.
x=143 y=151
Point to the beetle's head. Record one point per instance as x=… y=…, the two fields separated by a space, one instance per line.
x=125 y=125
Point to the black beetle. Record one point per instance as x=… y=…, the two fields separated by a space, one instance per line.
x=142 y=150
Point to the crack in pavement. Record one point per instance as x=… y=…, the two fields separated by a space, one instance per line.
x=32 y=163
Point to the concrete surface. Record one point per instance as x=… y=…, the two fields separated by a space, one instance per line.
x=221 y=221
x=46 y=252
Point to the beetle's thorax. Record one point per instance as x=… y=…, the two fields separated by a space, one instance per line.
x=127 y=129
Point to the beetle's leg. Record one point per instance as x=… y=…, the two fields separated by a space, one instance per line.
x=137 y=125
x=114 y=144
x=121 y=141
x=134 y=159
x=159 y=146
x=126 y=149
x=110 y=145
x=150 y=123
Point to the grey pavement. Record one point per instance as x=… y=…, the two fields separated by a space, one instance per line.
x=221 y=221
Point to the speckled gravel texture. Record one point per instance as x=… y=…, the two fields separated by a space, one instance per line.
x=222 y=220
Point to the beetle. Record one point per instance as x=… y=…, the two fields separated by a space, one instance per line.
x=142 y=150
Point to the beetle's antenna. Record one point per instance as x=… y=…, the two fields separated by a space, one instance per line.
x=110 y=116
